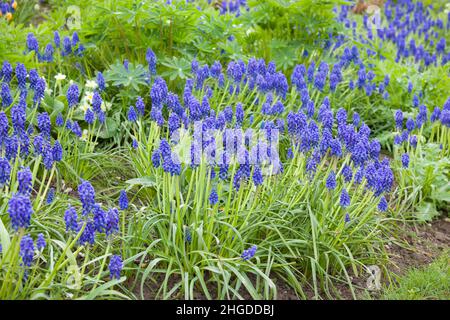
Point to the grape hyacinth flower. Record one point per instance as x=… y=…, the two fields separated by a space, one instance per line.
x=50 y=196
x=40 y=242
x=249 y=253
x=21 y=75
x=150 y=57
x=6 y=95
x=20 y=210
x=101 y=82
x=331 y=181
x=71 y=220
x=6 y=72
x=383 y=205
x=24 y=177
x=112 y=221
x=123 y=200
x=27 y=250
x=132 y=115
x=76 y=129
x=5 y=171
x=86 y=193
x=59 y=120
x=89 y=116
x=347 y=218
x=73 y=94
x=88 y=235
x=213 y=197
x=345 y=198
x=140 y=106
x=405 y=160
x=44 y=124
x=134 y=144
x=99 y=218
x=115 y=267
x=399 y=119
x=57 y=151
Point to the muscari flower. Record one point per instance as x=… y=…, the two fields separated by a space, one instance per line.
x=6 y=72
x=99 y=216
x=86 y=194
x=132 y=115
x=249 y=253
x=405 y=160
x=257 y=176
x=213 y=197
x=75 y=127
x=6 y=95
x=88 y=235
x=72 y=95
x=89 y=116
x=40 y=242
x=331 y=181
x=150 y=57
x=347 y=218
x=59 y=122
x=123 y=200
x=26 y=250
x=50 y=196
x=39 y=91
x=44 y=124
x=345 y=198
x=134 y=144
x=21 y=75
x=112 y=221
x=5 y=171
x=410 y=125
x=32 y=43
x=20 y=210
x=399 y=119
x=115 y=267
x=383 y=205
x=57 y=151
x=71 y=220
x=347 y=172
x=24 y=178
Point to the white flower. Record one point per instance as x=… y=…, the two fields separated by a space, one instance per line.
x=60 y=77
x=84 y=107
x=106 y=106
x=89 y=96
x=91 y=84
x=84 y=135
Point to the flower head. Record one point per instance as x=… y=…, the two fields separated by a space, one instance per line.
x=40 y=242
x=383 y=205
x=123 y=200
x=86 y=193
x=331 y=181
x=20 y=211
x=71 y=220
x=213 y=197
x=26 y=250
x=115 y=267
x=249 y=253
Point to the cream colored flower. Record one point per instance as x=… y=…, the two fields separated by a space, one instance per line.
x=89 y=96
x=60 y=77
x=84 y=136
x=91 y=84
x=106 y=106
x=84 y=107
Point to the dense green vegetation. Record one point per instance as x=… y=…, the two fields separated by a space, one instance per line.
x=191 y=150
